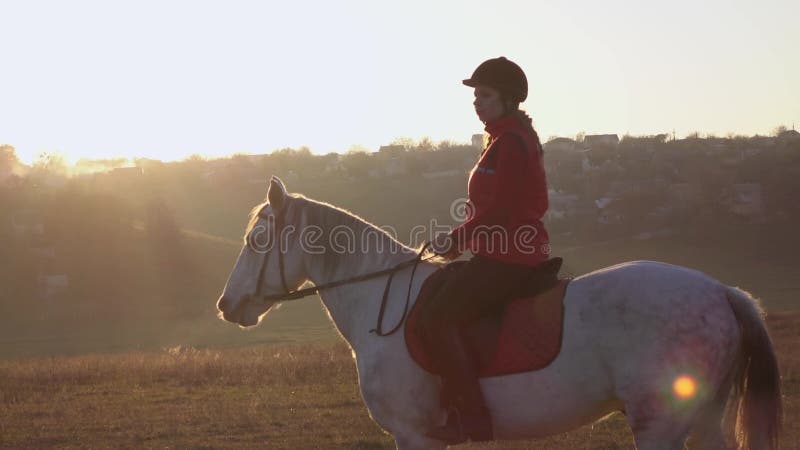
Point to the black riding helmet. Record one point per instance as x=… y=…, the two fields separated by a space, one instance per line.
x=503 y=75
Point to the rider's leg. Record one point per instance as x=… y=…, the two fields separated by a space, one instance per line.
x=478 y=286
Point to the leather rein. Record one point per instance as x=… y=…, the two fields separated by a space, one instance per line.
x=289 y=295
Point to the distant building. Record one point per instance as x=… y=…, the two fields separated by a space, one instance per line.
x=335 y=165
x=477 y=140
x=442 y=173
x=52 y=286
x=789 y=136
x=561 y=144
x=232 y=173
x=586 y=164
x=685 y=195
x=291 y=176
x=27 y=223
x=392 y=150
x=762 y=141
x=395 y=167
x=747 y=200
x=126 y=173
x=600 y=140
x=5 y=173
x=561 y=205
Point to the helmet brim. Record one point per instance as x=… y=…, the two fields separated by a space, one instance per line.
x=470 y=82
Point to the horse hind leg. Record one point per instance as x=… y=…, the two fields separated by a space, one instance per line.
x=661 y=436
x=707 y=431
x=417 y=443
x=655 y=427
x=707 y=434
x=665 y=428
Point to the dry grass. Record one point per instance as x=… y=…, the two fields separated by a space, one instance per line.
x=278 y=397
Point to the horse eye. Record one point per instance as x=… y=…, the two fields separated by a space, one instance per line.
x=259 y=239
x=251 y=242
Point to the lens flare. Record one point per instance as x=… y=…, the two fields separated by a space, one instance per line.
x=684 y=387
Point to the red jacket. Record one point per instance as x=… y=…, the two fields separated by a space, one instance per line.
x=507 y=198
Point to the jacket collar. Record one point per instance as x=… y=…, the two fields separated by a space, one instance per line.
x=501 y=125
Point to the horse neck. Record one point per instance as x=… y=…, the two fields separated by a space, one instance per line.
x=353 y=307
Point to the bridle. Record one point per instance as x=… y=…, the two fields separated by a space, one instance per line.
x=288 y=294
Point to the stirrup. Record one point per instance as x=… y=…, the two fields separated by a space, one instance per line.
x=452 y=432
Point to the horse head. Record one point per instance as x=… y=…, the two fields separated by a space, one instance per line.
x=269 y=262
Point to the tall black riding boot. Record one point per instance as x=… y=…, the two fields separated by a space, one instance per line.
x=468 y=416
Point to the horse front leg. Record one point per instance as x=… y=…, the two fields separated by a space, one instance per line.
x=407 y=411
x=412 y=440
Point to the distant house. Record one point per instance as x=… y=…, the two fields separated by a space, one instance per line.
x=608 y=218
x=230 y=173
x=746 y=200
x=395 y=167
x=789 y=136
x=52 y=286
x=600 y=140
x=44 y=253
x=586 y=164
x=256 y=159
x=762 y=141
x=53 y=180
x=607 y=213
x=715 y=146
x=442 y=173
x=561 y=205
x=27 y=223
x=5 y=173
x=561 y=144
x=477 y=140
x=619 y=188
x=292 y=176
x=751 y=151
x=684 y=195
x=334 y=165
x=392 y=150
x=603 y=202
x=732 y=158
x=126 y=173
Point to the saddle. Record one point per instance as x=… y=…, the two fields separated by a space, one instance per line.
x=522 y=336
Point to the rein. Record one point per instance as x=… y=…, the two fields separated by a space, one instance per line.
x=289 y=295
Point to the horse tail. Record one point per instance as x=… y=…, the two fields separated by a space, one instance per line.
x=757 y=380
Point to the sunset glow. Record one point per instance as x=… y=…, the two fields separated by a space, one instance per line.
x=84 y=79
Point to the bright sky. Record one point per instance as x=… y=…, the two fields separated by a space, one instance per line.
x=165 y=79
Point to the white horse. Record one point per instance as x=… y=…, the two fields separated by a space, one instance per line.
x=664 y=344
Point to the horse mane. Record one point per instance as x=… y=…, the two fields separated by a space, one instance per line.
x=252 y=219
x=330 y=218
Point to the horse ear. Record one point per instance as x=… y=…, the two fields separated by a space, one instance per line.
x=276 y=194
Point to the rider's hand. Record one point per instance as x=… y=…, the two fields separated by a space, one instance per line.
x=443 y=246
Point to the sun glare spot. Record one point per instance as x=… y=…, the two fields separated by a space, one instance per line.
x=684 y=387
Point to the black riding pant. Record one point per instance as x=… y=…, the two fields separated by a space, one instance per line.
x=476 y=288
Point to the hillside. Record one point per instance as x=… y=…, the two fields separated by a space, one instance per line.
x=135 y=299
x=106 y=262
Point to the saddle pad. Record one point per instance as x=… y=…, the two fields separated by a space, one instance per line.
x=527 y=337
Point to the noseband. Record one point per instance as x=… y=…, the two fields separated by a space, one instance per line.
x=262 y=272
x=288 y=294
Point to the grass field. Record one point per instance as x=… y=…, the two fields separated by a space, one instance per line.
x=284 y=396
x=291 y=383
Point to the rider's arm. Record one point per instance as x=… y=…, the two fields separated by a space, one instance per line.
x=509 y=171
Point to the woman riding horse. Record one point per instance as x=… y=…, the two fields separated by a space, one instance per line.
x=507 y=199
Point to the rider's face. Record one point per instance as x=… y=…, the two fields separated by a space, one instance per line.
x=488 y=104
